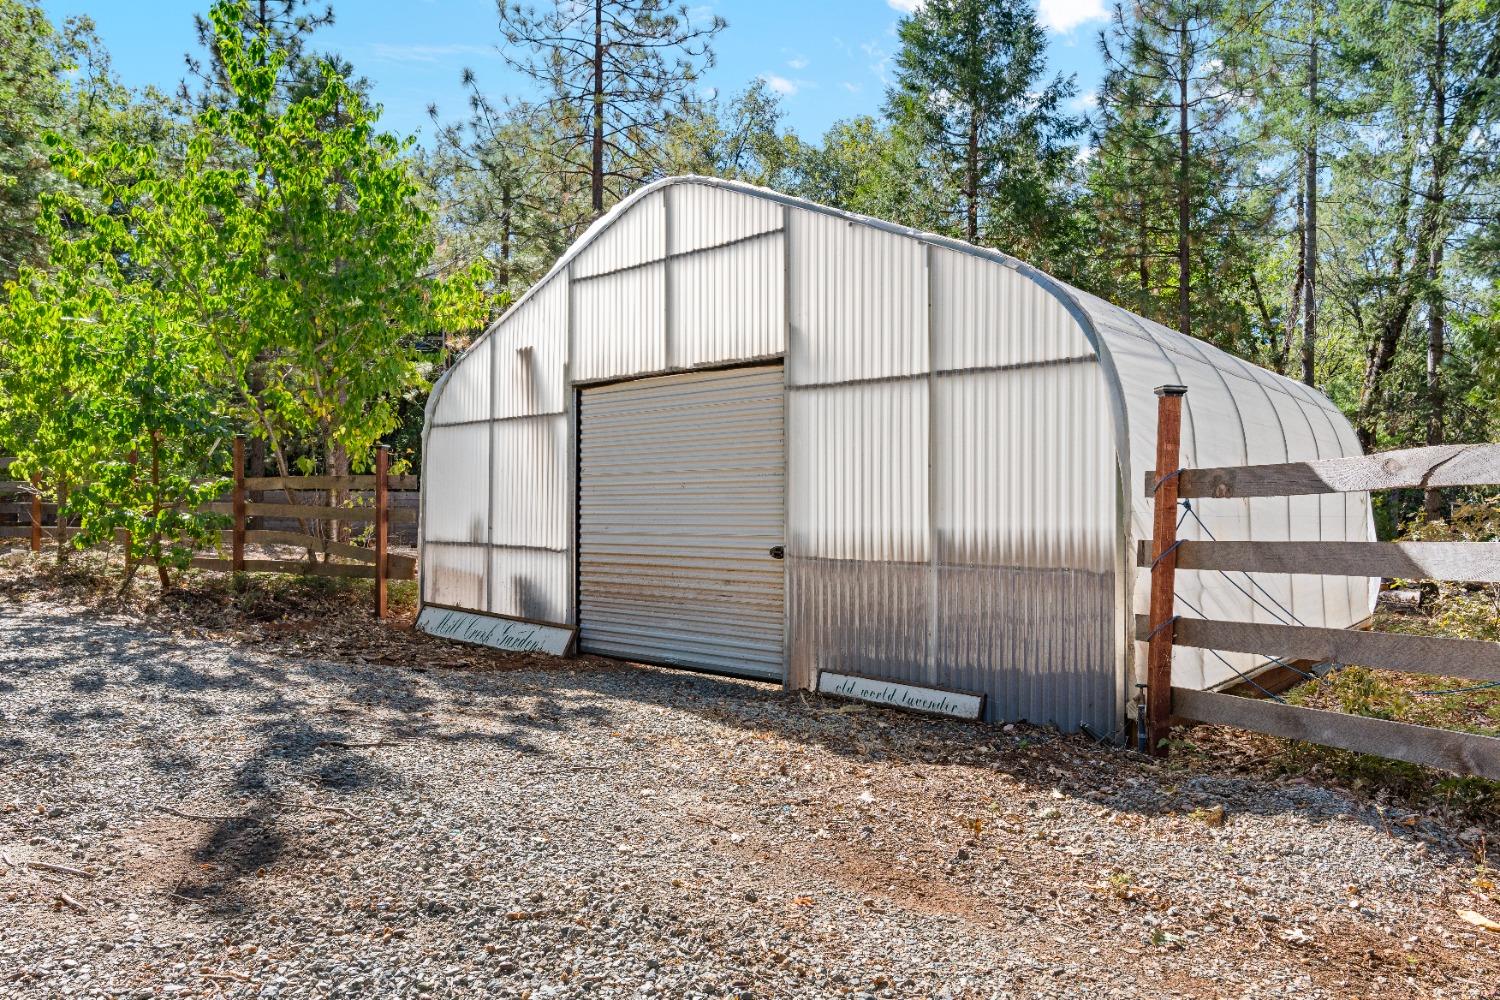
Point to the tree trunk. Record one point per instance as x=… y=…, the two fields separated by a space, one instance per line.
x=971 y=182
x=1184 y=250
x=1298 y=279
x=596 y=173
x=1143 y=266
x=156 y=539
x=1432 y=500
x=1310 y=231
x=506 y=235
x=338 y=465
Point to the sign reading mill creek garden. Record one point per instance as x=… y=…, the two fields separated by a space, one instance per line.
x=497 y=633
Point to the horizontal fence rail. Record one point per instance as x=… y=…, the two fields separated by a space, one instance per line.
x=373 y=563
x=1471 y=659
x=1471 y=562
x=1414 y=468
x=1463 y=753
x=1164 y=554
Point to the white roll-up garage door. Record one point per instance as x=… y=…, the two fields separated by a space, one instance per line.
x=681 y=500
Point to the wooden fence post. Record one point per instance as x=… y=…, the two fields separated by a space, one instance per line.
x=238 y=503
x=1163 y=569
x=36 y=514
x=382 y=524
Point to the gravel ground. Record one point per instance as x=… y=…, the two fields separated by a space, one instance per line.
x=243 y=819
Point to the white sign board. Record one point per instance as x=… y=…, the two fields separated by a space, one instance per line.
x=894 y=694
x=497 y=633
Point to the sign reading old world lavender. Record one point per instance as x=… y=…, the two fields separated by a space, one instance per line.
x=498 y=633
x=897 y=695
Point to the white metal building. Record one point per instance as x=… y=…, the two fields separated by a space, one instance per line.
x=948 y=443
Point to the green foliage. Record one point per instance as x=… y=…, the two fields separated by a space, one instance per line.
x=991 y=131
x=272 y=275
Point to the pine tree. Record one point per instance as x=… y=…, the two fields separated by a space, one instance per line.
x=971 y=91
x=616 y=73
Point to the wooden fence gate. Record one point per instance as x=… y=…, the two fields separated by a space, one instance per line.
x=1421 y=468
x=373 y=562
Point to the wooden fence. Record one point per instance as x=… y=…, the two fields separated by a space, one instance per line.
x=374 y=562
x=1418 y=468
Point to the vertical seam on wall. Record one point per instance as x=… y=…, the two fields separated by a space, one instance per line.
x=788 y=659
x=571 y=401
x=489 y=486
x=667 y=342
x=932 y=451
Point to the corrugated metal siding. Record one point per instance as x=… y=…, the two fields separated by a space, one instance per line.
x=702 y=216
x=530 y=583
x=634 y=237
x=459 y=510
x=536 y=452
x=858 y=302
x=619 y=324
x=453 y=575
x=681 y=497
x=750 y=277
x=530 y=368
x=466 y=396
x=985 y=315
x=857 y=471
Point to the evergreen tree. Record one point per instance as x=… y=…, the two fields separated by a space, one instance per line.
x=971 y=92
x=616 y=74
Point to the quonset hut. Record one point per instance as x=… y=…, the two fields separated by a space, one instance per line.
x=740 y=432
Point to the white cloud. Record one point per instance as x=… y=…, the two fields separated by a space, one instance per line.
x=906 y=6
x=1062 y=16
x=780 y=84
x=853 y=88
x=797 y=62
x=428 y=53
x=1086 y=101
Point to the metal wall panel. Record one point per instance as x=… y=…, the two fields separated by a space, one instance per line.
x=636 y=235
x=532 y=346
x=531 y=583
x=858 y=301
x=533 y=458
x=701 y=216
x=728 y=304
x=619 y=324
x=453 y=575
x=858 y=465
x=986 y=315
x=681 y=497
x=466 y=394
x=459 y=459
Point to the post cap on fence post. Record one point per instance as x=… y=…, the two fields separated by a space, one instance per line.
x=1171 y=390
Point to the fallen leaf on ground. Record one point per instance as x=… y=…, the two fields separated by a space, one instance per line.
x=1479 y=920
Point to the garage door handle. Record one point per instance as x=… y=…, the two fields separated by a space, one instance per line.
x=778 y=552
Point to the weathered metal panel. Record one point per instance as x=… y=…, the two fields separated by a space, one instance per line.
x=681 y=498
x=466 y=394
x=860 y=616
x=458 y=509
x=987 y=315
x=701 y=216
x=453 y=574
x=858 y=471
x=532 y=354
x=635 y=236
x=858 y=301
x=728 y=304
x=531 y=583
x=619 y=324
x=532 y=462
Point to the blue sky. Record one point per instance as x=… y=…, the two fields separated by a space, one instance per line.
x=829 y=59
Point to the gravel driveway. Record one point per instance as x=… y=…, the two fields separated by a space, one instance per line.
x=221 y=818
